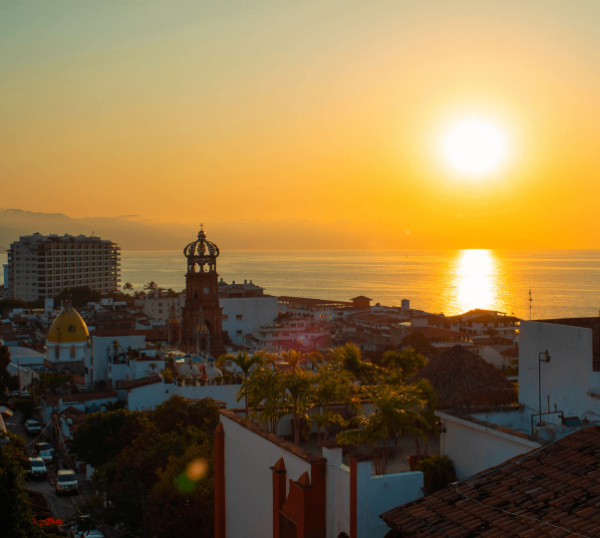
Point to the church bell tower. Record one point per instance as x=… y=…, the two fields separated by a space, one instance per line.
x=202 y=324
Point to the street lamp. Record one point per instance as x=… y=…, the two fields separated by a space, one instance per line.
x=540 y=360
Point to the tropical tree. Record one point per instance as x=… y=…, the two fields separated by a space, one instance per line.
x=266 y=392
x=429 y=396
x=420 y=343
x=127 y=287
x=52 y=382
x=171 y=293
x=396 y=410
x=189 y=513
x=349 y=358
x=406 y=362
x=79 y=296
x=140 y=457
x=331 y=386
x=151 y=286
x=245 y=363
x=299 y=389
x=5 y=376
x=15 y=509
x=300 y=399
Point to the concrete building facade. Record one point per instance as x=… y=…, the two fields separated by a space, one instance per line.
x=42 y=266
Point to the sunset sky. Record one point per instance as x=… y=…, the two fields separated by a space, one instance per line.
x=332 y=113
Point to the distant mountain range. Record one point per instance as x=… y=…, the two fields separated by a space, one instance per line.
x=133 y=233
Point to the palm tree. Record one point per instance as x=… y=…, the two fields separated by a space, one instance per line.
x=349 y=358
x=407 y=362
x=299 y=386
x=397 y=410
x=267 y=395
x=331 y=386
x=244 y=362
x=127 y=287
x=293 y=358
x=171 y=293
x=151 y=286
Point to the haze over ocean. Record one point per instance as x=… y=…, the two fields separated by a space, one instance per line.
x=563 y=283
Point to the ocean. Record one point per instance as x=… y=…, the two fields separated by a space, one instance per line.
x=559 y=283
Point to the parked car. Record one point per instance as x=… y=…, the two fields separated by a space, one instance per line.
x=74 y=532
x=32 y=427
x=47 y=456
x=45 y=451
x=42 y=446
x=66 y=482
x=38 y=469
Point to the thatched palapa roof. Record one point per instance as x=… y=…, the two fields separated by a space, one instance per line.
x=463 y=379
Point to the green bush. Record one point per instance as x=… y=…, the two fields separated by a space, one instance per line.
x=438 y=472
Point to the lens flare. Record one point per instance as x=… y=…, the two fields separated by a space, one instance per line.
x=194 y=471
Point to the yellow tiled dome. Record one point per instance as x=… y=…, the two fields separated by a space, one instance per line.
x=68 y=327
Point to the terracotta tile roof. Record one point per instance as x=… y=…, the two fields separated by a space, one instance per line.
x=488 y=318
x=550 y=491
x=436 y=332
x=463 y=379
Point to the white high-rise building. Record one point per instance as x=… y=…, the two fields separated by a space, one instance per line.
x=42 y=266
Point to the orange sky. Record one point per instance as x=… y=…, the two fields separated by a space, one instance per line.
x=329 y=112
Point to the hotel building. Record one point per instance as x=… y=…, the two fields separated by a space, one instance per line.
x=42 y=266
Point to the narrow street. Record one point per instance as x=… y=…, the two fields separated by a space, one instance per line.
x=62 y=507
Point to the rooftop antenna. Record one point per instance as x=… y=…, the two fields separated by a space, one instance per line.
x=530 y=301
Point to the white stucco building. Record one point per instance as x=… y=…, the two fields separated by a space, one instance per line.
x=558 y=391
x=267 y=486
x=241 y=315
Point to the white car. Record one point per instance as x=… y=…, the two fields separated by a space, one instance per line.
x=38 y=468
x=66 y=482
x=32 y=427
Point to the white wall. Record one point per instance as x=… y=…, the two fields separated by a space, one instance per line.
x=255 y=311
x=383 y=493
x=474 y=447
x=338 y=493
x=567 y=378
x=149 y=396
x=249 y=481
x=142 y=368
x=493 y=356
x=101 y=345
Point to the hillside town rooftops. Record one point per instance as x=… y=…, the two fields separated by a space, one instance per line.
x=462 y=379
x=550 y=491
x=304 y=301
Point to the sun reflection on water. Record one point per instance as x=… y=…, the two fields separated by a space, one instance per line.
x=475 y=280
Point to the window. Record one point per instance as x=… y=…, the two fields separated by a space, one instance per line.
x=225 y=316
x=239 y=316
x=239 y=331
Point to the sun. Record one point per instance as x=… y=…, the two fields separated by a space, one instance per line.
x=475 y=146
